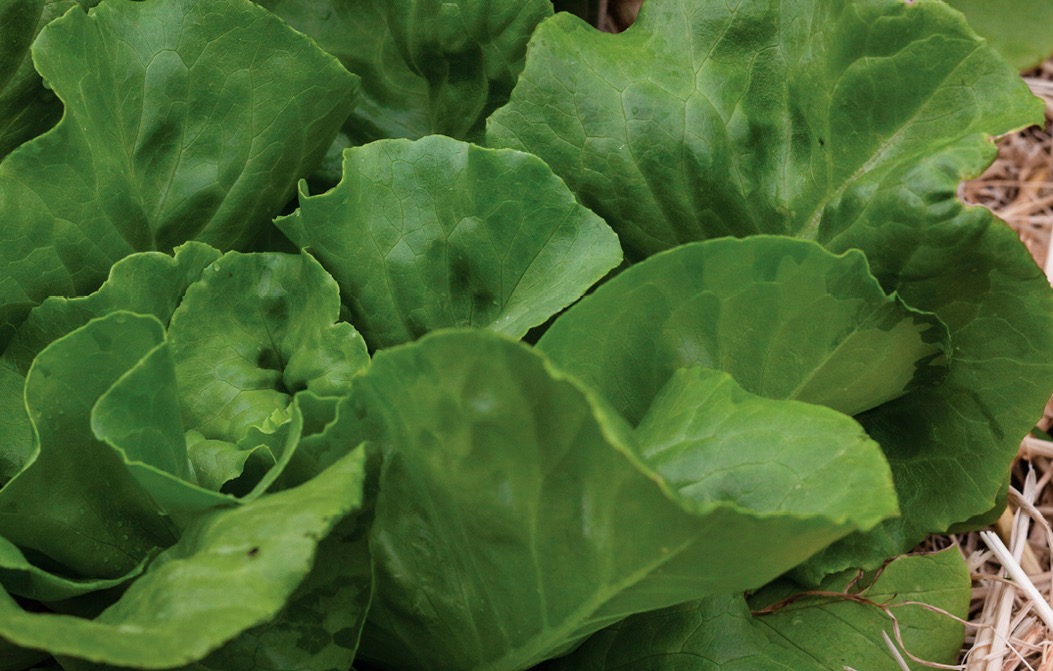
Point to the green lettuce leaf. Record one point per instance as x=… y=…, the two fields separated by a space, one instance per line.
x=786 y=318
x=149 y=283
x=232 y=570
x=427 y=66
x=320 y=626
x=126 y=427
x=1021 y=30
x=437 y=233
x=517 y=515
x=848 y=123
x=176 y=127
x=27 y=107
x=756 y=117
x=55 y=506
x=22 y=578
x=253 y=331
x=712 y=441
x=811 y=633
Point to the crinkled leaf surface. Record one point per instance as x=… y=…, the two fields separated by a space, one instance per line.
x=809 y=634
x=786 y=318
x=148 y=283
x=254 y=330
x=427 y=66
x=437 y=232
x=206 y=589
x=1018 y=29
x=516 y=515
x=849 y=123
x=754 y=117
x=184 y=120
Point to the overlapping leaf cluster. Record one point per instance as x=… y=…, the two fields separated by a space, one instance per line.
x=565 y=342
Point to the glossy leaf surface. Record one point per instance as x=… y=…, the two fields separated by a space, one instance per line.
x=784 y=317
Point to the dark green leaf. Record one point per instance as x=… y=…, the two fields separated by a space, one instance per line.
x=27 y=108
x=756 y=117
x=849 y=123
x=427 y=66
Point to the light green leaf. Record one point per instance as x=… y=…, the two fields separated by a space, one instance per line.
x=176 y=128
x=436 y=233
x=516 y=515
x=824 y=633
x=757 y=117
x=55 y=506
x=139 y=417
x=217 y=462
x=253 y=331
x=784 y=317
x=427 y=66
x=319 y=628
x=1021 y=30
x=206 y=589
x=713 y=441
x=147 y=283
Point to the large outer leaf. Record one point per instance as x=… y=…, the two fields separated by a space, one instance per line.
x=427 y=66
x=1021 y=30
x=786 y=318
x=850 y=123
x=434 y=233
x=708 y=119
x=253 y=331
x=516 y=515
x=810 y=634
x=184 y=120
x=231 y=570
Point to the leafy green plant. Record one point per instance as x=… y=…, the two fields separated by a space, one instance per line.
x=571 y=350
